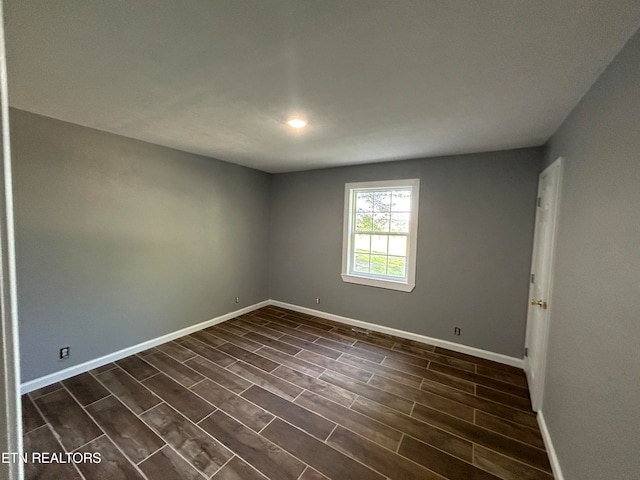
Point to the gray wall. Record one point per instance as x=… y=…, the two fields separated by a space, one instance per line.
x=120 y=241
x=474 y=247
x=592 y=393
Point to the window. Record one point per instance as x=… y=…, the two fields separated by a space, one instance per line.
x=380 y=233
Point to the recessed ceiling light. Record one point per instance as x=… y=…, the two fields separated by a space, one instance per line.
x=297 y=123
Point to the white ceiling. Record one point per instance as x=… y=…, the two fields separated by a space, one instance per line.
x=377 y=79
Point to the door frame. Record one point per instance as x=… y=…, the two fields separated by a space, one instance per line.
x=536 y=386
x=10 y=406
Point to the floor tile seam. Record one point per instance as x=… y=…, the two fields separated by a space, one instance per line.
x=275 y=332
x=446 y=453
x=338 y=423
x=497 y=433
x=514 y=459
x=141 y=384
x=167 y=444
x=152 y=454
x=39 y=412
x=482 y=409
x=385 y=366
x=243 y=398
x=510 y=384
x=95 y=374
x=474 y=425
x=268 y=373
x=263 y=345
x=506 y=384
x=289 y=366
x=440 y=449
x=290 y=333
x=251 y=466
x=284 y=340
x=475 y=442
x=397 y=347
x=106 y=434
x=292 y=401
x=110 y=394
x=147 y=377
x=321 y=441
x=195 y=384
x=221 y=466
x=224 y=326
x=124 y=455
x=353 y=354
x=501 y=405
x=46 y=394
x=443 y=397
x=236 y=343
x=437 y=427
x=319 y=354
x=372 y=441
x=56 y=437
x=394 y=452
x=326 y=337
x=204 y=344
x=371 y=386
x=334 y=332
x=322 y=383
x=266 y=335
x=535 y=431
x=503 y=387
x=177 y=359
x=191 y=391
x=266 y=425
x=414 y=401
x=186 y=366
x=398 y=355
x=254 y=353
x=438 y=475
x=500 y=391
x=303 y=472
x=199 y=428
x=124 y=403
x=278 y=447
x=424 y=379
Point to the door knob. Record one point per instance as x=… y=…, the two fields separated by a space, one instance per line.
x=539 y=303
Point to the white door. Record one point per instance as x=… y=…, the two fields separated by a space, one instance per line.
x=541 y=280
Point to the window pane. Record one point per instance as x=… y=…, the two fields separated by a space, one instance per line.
x=363 y=243
x=364 y=202
x=398 y=245
x=397 y=266
x=381 y=201
x=401 y=201
x=362 y=263
x=380 y=222
x=379 y=244
x=378 y=264
x=364 y=222
x=400 y=222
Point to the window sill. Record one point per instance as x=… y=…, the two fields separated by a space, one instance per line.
x=374 y=282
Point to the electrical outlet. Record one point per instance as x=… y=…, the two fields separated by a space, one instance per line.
x=456 y=331
x=64 y=353
x=318 y=300
x=237 y=299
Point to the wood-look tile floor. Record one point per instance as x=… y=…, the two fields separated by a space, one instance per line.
x=281 y=395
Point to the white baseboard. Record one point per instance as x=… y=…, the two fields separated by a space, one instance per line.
x=551 y=451
x=112 y=357
x=456 y=347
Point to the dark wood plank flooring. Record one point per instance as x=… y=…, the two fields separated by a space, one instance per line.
x=276 y=394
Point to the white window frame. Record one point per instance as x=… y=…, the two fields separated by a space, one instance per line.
x=348 y=274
